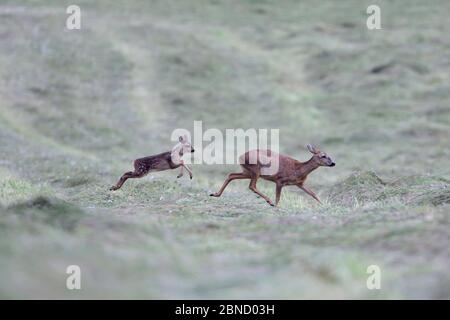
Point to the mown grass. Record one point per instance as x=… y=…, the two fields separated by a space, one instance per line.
x=78 y=106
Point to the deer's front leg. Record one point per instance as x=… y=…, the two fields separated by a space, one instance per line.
x=278 y=193
x=187 y=168
x=252 y=187
x=310 y=192
x=181 y=172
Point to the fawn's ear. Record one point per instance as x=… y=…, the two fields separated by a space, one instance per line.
x=311 y=149
x=180 y=139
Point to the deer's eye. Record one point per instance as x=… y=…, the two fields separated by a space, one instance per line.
x=323 y=157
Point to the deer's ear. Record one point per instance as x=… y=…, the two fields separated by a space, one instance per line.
x=180 y=139
x=311 y=148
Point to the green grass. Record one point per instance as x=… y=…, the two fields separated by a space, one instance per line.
x=77 y=107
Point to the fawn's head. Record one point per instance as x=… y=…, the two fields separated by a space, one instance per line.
x=320 y=157
x=184 y=145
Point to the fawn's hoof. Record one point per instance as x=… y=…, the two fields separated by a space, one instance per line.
x=179 y=176
x=190 y=177
x=213 y=195
x=271 y=203
x=113 y=188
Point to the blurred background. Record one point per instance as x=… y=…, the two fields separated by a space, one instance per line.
x=78 y=106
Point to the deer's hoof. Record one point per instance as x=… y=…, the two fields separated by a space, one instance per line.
x=213 y=195
x=271 y=203
x=112 y=189
x=190 y=177
x=179 y=176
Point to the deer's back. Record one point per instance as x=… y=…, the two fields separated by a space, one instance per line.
x=162 y=161
x=267 y=163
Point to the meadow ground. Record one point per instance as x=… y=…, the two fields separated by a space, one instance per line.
x=76 y=107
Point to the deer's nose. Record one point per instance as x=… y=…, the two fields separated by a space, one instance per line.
x=332 y=164
x=192 y=150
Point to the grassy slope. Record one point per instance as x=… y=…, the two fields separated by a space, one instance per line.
x=77 y=107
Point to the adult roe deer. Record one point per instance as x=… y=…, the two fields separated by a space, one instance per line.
x=160 y=162
x=290 y=171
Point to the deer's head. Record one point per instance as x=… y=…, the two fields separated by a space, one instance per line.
x=320 y=157
x=184 y=145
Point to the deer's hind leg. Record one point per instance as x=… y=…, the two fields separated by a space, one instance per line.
x=128 y=175
x=252 y=187
x=231 y=177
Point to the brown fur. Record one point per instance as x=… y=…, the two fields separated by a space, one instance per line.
x=143 y=166
x=159 y=162
x=290 y=171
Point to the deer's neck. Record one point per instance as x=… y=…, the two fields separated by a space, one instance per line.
x=176 y=154
x=306 y=168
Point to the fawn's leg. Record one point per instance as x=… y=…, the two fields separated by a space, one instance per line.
x=125 y=177
x=278 y=193
x=310 y=192
x=252 y=187
x=231 y=177
x=184 y=166
x=181 y=172
x=187 y=169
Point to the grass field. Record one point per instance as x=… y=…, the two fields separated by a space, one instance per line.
x=77 y=107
